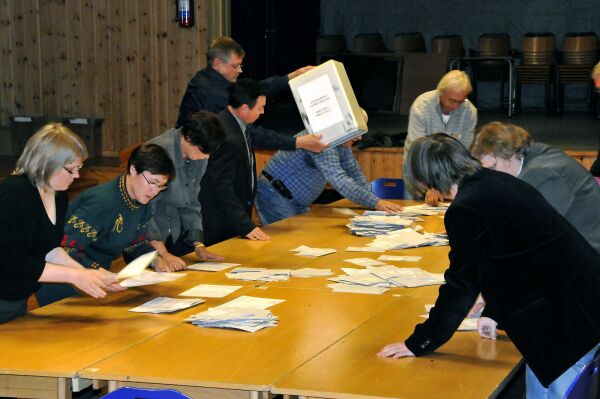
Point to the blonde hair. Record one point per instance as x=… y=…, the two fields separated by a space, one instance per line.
x=49 y=149
x=455 y=81
x=502 y=140
x=596 y=71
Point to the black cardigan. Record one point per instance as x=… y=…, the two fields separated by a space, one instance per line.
x=26 y=236
x=539 y=276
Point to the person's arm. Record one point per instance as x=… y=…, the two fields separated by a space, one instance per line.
x=81 y=230
x=469 y=132
x=271 y=140
x=466 y=233
x=60 y=257
x=329 y=165
x=417 y=126
x=221 y=180
x=92 y=282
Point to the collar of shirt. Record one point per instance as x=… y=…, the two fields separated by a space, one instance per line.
x=240 y=122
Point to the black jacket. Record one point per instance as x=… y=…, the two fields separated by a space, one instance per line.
x=539 y=276
x=227 y=192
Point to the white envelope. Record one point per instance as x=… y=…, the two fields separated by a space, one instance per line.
x=136 y=266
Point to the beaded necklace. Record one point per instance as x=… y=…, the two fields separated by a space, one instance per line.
x=125 y=195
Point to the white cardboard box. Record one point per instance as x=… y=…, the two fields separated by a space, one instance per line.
x=327 y=103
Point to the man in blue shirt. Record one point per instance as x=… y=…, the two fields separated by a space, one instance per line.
x=292 y=180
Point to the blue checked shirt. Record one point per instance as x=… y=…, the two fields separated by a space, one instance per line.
x=306 y=173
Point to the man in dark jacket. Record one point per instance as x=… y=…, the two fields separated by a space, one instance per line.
x=539 y=277
x=229 y=183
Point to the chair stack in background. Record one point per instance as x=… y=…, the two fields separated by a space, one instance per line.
x=450 y=45
x=537 y=60
x=409 y=42
x=578 y=54
x=491 y=45
x=368 y=43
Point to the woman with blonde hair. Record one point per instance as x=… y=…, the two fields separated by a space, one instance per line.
x=34 y=204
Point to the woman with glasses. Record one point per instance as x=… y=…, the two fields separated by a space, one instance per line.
x=106 y=219
x=34 y=205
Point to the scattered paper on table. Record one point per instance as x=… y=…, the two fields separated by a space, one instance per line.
x=364 y=262
x=258 y=274
x=148 y=278
x=137 y=266
x=356 y=289
x=211 y=290
x=303 y=250
x=211 y=266
x=310 y=272
x=400 y=258
x=166 y=305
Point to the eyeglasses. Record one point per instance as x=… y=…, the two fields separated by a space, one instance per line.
x=73 y=170
x=155 y=185
x=234 y=66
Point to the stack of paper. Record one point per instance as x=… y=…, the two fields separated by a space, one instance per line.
x=166 y=305
x=425 y=210
x=468 y=324
x=407 y=276
x=370 y=225
x=148 y=278
x=211 y=290
x=359 y=281
x=211 y=266
x=407 y=238
x=258 y=274
x=303 y=250
x=364 y=262
x=395 y=258
x=244 y=313
x=310 y=272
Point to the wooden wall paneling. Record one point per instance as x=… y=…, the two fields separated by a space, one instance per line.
x=6 y=85
x=174 y=57
x=117 y=71
x=103 y=78
x=61 y=80
x=132 y=78
x=74 y=44
x=48 y=58
x=161 y=94
x=33 y=94
x=147 y=79
x=88 y=59
x=19 y=57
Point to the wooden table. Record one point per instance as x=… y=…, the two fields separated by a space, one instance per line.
x=205 y=362
x=465 y=367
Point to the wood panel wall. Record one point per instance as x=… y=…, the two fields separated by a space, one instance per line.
x=126 y=61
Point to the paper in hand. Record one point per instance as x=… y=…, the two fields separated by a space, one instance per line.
x=136 y=266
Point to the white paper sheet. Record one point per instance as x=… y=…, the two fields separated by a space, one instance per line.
x=211 y=290
x=136 y=266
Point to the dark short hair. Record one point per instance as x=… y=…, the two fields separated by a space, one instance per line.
x=438 y=161
x=245 y=91
x=222 y=47
x=151 y=158
x=204 y=130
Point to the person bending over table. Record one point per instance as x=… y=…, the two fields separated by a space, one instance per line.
x=177 y=220
x=229 y=184
x=293 y=180
x=34 y=204
x=112 y=217
x=539 y=277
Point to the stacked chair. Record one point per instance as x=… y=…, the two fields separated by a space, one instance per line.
x=368 y=43
x=491 y=45
x=412 y=42
x=578 y=54
x=450 y=45
x=537 y=60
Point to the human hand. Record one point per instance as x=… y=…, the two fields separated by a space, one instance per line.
x=311 y=142
x=168 y=263
x=203 y=254
x=487 y=328
x=387 y=206
x=395 y=350
x=257 y=235
x=300 y=71
x=91 y=281
x=477 y=306
x=433 y=197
